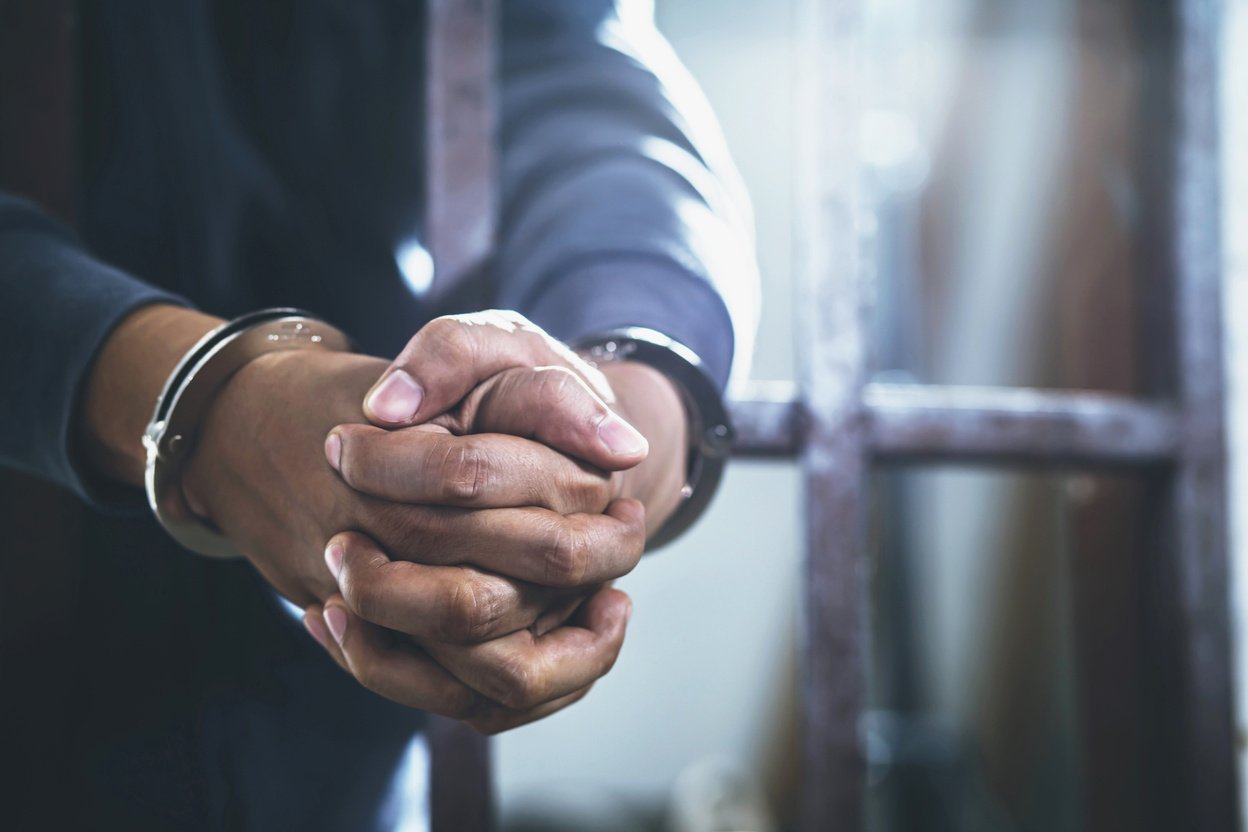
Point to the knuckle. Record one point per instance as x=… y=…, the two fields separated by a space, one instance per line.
x=391 y=522
x=444 y=326
x=463 y=472
x=566 y=557
x=474 y=612
x=405 y=532
x=513 y=683
x=449 y=331
x=558 y=386
x=587 y=492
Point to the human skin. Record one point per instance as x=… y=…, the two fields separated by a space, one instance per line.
x=519 y=381
x=532 y=539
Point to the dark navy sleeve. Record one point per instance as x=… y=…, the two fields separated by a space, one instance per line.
x=57 y=306
x=620 y=205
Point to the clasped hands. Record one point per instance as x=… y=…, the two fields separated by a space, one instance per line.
x=450 y=521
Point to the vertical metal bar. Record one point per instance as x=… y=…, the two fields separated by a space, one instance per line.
x=460 y=796
x=1198 y=492
x=836 y=268
x=459 y=138
x=460 y=217
x=1192 y=762
x=1158 y=349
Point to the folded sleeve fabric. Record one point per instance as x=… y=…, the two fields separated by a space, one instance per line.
x=59 y=305
x=620 y=206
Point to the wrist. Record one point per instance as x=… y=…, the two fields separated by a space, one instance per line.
x=271 y=404
x=652 y=403
x=174 y=431
x=709 y=430
x=126 y=379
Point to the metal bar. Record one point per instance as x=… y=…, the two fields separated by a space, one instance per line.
x=978 y=425
x=769 y=419
x=1165 y=793
x=1191 y=764
x=460 y=216
x=1198 y=496
x=460 y=120
x=1017 y=426
x=460 y=797
x=837 y=251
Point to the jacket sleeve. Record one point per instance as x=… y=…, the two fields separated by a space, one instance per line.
x=57 y=306
x=620 y=206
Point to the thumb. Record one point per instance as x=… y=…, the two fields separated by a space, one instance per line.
x=450 y=356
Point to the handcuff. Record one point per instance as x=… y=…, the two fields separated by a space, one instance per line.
x=711 y=434
x=170 y=435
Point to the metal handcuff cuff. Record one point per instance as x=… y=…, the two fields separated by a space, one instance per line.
x=710 y=431
x=202 y=372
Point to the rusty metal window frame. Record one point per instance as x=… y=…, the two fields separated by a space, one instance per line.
x=840 y=424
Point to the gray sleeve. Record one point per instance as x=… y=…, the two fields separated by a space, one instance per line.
x=620 y=206
x=58 y=307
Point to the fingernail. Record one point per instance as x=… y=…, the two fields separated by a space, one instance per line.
x=396 y=399
x=628 y=613
x=333 y=558
x=336 y=620
x=333 y=450
x=316 y=628
x=620 y=437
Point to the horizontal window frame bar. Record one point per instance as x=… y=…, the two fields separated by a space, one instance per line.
x=1007 y=426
